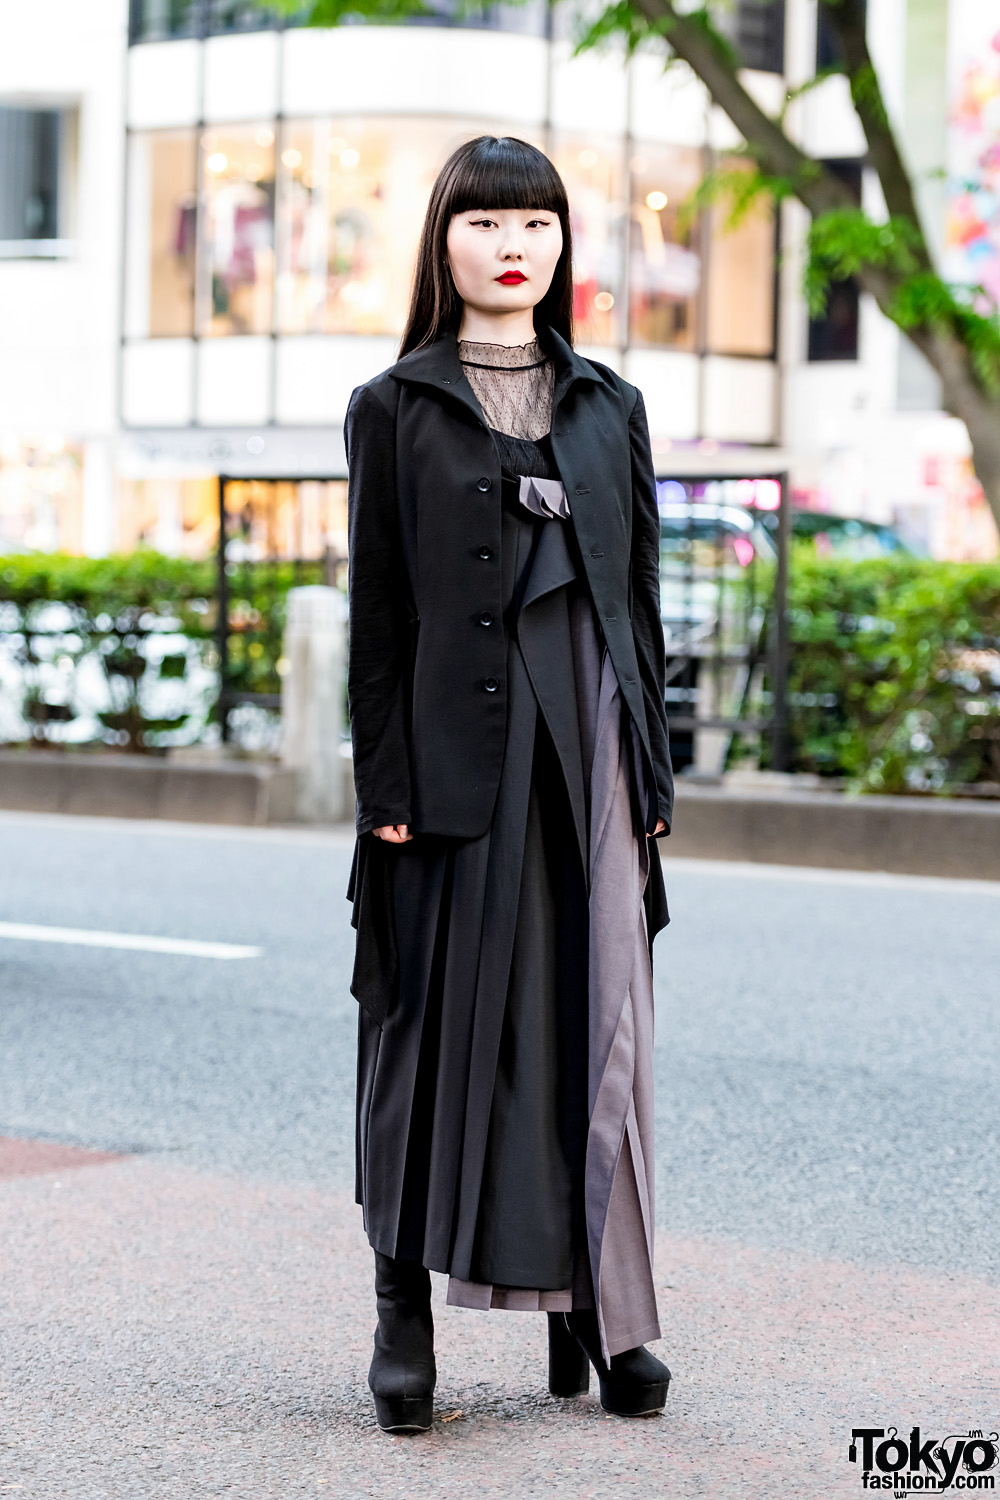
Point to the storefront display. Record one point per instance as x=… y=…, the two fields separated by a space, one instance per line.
x=41 y=500
x=311 y=226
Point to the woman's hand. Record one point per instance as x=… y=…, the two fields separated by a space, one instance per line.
x=396 y=833
x=660 y=826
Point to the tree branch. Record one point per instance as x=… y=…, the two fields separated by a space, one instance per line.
x=848 y=18
x=711 y=60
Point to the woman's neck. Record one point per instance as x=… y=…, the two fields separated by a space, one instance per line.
x=513 y=328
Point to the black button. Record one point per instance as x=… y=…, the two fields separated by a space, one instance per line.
x=484 y=484
x=485 y=553
x=486 y=618
x=491 y=684
x=582 y=489
x=597 y=554
x=447 y=380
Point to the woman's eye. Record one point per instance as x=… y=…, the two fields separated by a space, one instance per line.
x=538 y=223
x=485 y=223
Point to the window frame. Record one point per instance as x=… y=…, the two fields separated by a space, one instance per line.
x=850 y=170
x=63 y=244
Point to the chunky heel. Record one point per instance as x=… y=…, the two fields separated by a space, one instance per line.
x=404 y=1413
x=569 y=1366
x=634 y=1383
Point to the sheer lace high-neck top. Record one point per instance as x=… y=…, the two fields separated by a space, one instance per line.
x=513 y=384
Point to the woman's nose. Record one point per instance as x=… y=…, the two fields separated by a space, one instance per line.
x=512 y=250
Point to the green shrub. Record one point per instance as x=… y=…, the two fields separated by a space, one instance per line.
x=112 y=610
x=109 y=610
x=895 y=671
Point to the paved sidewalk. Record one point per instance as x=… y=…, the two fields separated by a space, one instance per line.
x=175 y=1333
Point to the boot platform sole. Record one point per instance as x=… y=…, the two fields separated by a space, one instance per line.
x=404 y=1414
x=646 y=1401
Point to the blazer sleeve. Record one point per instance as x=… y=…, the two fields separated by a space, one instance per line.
x=379 y=618
x=647 y=628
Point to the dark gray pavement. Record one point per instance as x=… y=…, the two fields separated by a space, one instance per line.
x=192 y=1319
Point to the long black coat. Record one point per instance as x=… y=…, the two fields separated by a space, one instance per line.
x=427 y=645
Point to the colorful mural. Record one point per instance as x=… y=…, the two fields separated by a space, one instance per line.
x=973 y=227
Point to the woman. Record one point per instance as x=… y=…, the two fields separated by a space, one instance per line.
x=511 y=760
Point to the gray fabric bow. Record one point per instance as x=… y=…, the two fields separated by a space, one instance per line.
x=544 y=497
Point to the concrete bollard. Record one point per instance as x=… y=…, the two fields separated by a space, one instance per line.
x=312 y=701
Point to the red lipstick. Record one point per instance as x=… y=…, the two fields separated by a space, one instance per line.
x=511 y=278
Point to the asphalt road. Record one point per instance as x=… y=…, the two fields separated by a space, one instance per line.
x=826 y=1068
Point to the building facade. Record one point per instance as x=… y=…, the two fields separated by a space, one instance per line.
x=226 y=252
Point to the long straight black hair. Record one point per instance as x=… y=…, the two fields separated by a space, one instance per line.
x=488 y=172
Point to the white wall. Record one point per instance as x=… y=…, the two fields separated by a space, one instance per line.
x=60 y=319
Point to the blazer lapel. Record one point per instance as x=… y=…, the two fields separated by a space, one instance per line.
x=438 y=367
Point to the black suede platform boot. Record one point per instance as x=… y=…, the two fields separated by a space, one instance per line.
x=633 y=1384
x=403 y=1371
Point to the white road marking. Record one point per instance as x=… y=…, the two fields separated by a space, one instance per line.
x=26 y=932
x=947 y=885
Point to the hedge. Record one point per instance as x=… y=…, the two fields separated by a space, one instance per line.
x=112 y=610
x=894 y=678
x=895 y=671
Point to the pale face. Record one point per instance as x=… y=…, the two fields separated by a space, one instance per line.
x=502 y=259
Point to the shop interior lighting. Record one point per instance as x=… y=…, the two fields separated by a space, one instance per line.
x=291 y=157
x=604 y=302
x=350 y=157
x=587 y=157
x=263 y=137
x=217 y=162
x=768 y=494
x=656 y=200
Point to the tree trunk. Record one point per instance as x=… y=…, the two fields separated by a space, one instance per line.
x=981 y=415
x=962 y=394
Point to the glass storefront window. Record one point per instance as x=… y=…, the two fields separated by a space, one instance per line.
x=593 y=171
x=268 y=519
x=157 y=20
x=272 y=519
x=312 y=226
x=237 y=15
x=236 y=279
x=739 y=314
x=665 y=273
x=529 y=17
x=162 y=234
x=41 y=495
x=352 y=199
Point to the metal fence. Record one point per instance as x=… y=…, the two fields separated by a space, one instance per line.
x=723 y=576
x=723 y=602
x=274 y=534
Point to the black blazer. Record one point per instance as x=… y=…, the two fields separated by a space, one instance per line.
x=427 y=665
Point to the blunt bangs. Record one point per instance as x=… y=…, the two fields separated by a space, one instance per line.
x=504 y=172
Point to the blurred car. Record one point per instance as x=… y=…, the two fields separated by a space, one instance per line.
x=843 y=536
x=700 y=545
